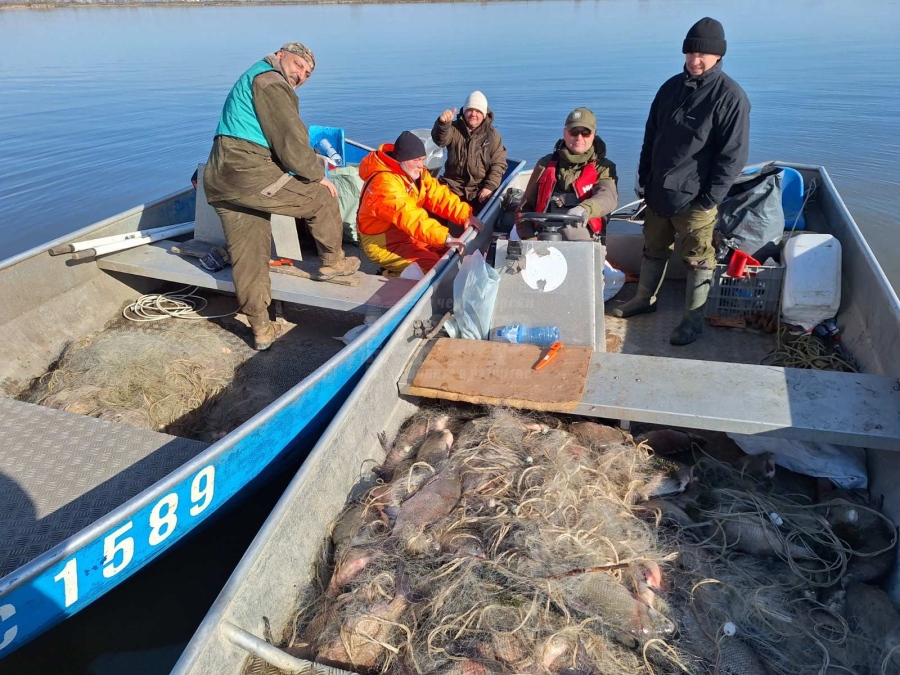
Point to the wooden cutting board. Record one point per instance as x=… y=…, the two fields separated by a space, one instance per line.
x=498 y=373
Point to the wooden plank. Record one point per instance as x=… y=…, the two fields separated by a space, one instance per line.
x=297 y=270
x=497 y=373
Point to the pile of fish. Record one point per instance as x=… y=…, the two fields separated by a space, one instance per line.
x=509 y=544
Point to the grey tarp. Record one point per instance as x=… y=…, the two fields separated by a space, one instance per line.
x=752 y=216
x=349 y=185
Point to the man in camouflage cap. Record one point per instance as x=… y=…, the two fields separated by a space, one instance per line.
x=576 y=179
x=261 y=163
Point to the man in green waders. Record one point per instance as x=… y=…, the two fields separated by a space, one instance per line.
x=696 y=143
x=261 y=163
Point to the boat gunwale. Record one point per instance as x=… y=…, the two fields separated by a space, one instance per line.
x=859 y=238
x=17 y=578
x=87 y=229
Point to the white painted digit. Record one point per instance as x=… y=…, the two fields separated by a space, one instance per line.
x=111 y=546
x=205 y=493
x=6 y=612
x=69 y=577
x=161 y=526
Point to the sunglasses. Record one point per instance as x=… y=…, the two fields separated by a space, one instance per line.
x=580 y=132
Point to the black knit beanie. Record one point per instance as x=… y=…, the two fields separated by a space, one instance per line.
x=408 y=146
x=706 y=37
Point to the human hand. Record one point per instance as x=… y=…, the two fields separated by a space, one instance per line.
x=472 y=221
x=578 y=211
x=484 y=194
x=639 y=191
x=331 y=188
x=456 y=245
x=447 y=116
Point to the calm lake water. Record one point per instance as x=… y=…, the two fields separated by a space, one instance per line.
x=102 y=109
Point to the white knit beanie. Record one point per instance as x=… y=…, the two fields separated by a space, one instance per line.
x=478 y=101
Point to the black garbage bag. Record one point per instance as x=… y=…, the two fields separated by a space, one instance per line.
x=508 y=205
x=751 y=218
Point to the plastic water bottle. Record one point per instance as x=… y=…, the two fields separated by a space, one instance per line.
x=543 y=336
x=332 y=154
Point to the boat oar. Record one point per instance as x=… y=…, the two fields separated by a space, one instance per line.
x=112 y=247
x=102 y=241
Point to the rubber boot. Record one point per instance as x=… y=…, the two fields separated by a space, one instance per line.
x=339 y=267
x=652 y=273
x=696 y=290
x=265 y=332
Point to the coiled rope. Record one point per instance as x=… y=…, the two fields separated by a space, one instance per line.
x=183 y=303
x=806 y=350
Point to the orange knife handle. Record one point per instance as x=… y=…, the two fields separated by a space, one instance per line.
x=549 y=356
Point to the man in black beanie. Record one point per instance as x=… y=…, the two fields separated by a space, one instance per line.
x=399 y=209
x=696 y=143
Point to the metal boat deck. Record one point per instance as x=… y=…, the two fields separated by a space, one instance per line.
x=649 y=333
x=374 y=294
x=60 y=472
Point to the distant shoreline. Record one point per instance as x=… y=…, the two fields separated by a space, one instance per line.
x=66 y=4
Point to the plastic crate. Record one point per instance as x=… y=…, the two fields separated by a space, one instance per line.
x=758 y=291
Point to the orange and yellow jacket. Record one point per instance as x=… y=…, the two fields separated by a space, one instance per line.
x=391 y=199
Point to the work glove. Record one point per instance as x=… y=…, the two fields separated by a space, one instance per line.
x=578 y=211
x=217 y=259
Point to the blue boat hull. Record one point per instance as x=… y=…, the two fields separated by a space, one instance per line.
x=85 y=567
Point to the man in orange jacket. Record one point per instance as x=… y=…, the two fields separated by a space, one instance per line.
x=400 y=199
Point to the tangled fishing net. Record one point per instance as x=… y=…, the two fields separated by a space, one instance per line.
x=507 y=544
x=178 y=377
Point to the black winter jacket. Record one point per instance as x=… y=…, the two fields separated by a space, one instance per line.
x=696 y=141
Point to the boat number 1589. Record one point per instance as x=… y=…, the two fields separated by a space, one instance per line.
x=118 y=545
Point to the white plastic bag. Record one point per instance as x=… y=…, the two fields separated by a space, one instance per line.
x=474 y=294
x=412 y=272
x=845 y=466
x=357 y=331
x=613 y=280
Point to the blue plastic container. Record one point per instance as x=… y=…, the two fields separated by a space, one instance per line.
x=334 y=136
x=792 y=199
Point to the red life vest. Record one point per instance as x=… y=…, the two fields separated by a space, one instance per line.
x=583 y=187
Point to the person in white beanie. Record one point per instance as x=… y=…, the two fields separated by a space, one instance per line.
x=476 y=158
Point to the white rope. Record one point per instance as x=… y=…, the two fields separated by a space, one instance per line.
x=180 y=304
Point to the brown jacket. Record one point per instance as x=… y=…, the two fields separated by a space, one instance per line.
x=474 y=160
x=238 y=168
